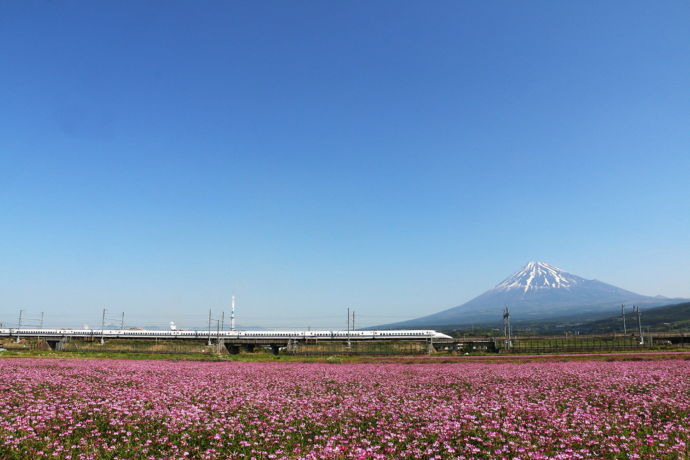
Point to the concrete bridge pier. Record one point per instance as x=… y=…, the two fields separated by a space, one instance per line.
x=56 y=344
x=232 y=349
x=275 y=349
x=249 y=348
x=438 y=347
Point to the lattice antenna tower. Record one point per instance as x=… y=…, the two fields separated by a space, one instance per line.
x=636 y=309
x=625 y=329
x=506 y=325
x=232 y=314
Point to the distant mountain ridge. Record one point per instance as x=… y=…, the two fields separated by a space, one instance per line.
x=538 y=290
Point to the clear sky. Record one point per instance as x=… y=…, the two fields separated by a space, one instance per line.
x=398 y=158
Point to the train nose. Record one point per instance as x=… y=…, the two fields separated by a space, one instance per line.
x=438 y=335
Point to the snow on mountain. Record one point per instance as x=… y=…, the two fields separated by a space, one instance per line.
x=539 y=275
x=538 y=291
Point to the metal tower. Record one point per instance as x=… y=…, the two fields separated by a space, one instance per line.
x=507 y=332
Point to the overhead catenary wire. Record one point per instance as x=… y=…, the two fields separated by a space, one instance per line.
x=109 y=319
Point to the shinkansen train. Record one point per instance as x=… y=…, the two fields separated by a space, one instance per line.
x=199 y=334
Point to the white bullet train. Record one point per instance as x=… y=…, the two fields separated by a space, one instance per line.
x=200 y=334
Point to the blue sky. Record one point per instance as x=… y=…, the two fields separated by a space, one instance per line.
x=393 y=157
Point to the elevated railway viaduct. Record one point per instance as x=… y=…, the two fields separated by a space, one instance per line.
x=233 y=341
x=249 y=341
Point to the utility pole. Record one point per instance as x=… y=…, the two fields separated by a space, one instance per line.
x=19 y=324
x=639 y=322
x=122 y=322
x=103 y=327
x=625 y=329
x=222 y=321
x=353 y=320
x=41 y=324
x=209 y=327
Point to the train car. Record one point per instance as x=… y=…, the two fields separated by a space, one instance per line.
x=199 y=334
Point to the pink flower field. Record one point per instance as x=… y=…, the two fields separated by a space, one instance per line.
x=156 y=409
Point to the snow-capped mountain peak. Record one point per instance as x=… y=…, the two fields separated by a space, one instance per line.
x=538 y=275
x=538 y=291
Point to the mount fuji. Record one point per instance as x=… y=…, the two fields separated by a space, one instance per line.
x=539 y=291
